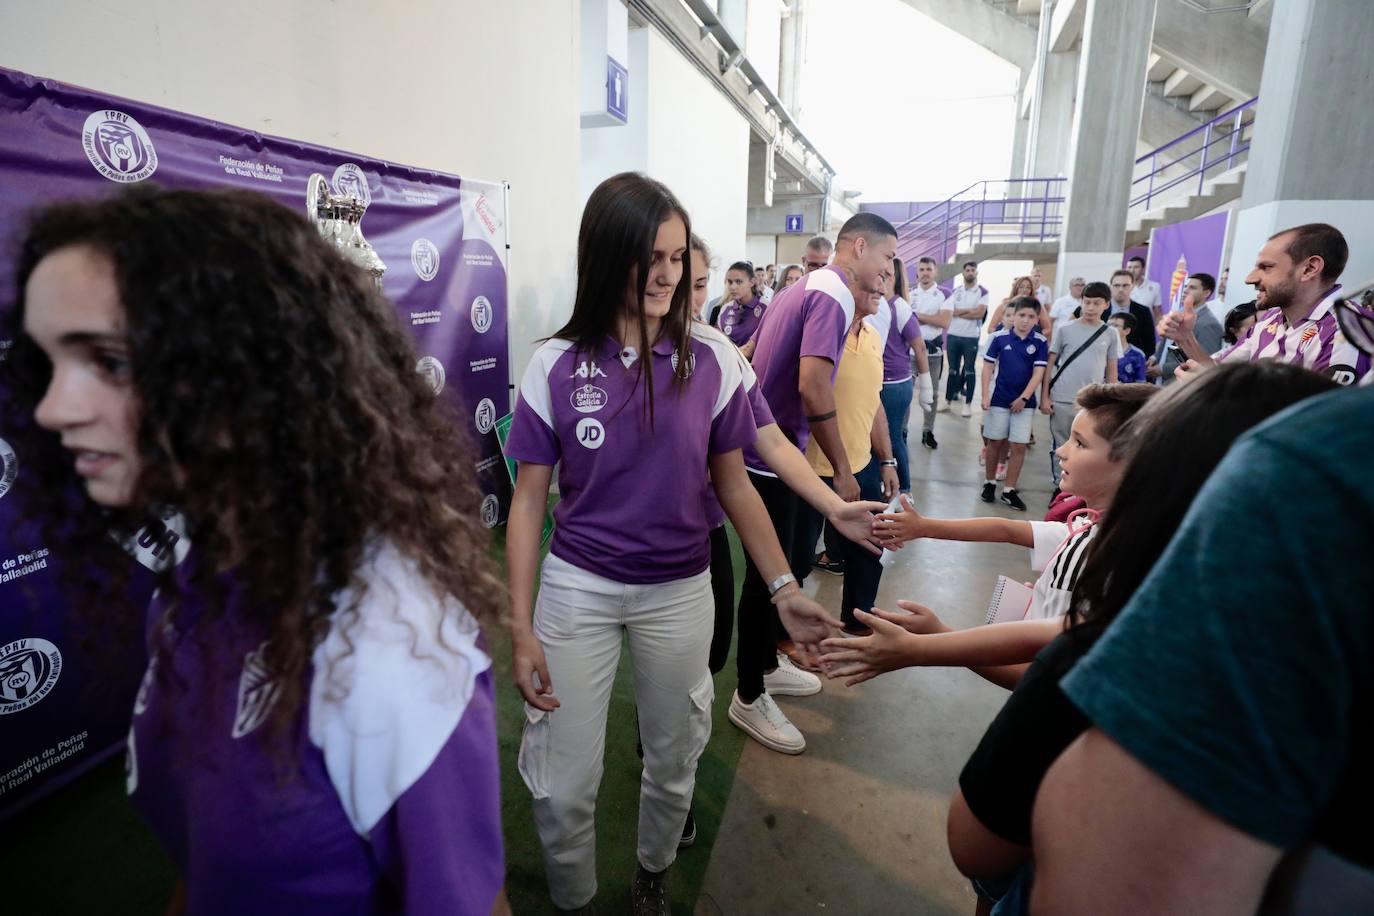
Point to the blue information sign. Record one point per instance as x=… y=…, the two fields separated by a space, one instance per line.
x=794 y=222
x=617 y=91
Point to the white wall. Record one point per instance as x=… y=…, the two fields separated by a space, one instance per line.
x=761 y=249
x=481 y=89
x=684 y=133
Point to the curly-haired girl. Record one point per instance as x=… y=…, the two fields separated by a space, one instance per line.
x=315 y=731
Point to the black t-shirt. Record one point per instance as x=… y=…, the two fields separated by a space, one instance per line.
x=1037 y=723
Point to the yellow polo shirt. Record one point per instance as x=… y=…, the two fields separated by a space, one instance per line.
x=858 y=387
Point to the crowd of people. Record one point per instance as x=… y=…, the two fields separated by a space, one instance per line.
x=1188 y=680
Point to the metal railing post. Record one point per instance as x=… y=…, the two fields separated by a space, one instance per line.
x=1206 y=143
x=982 y=212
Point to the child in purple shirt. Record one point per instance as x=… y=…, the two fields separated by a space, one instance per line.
x=315 y=732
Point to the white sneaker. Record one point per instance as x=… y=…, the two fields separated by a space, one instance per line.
x=942 y=407
x=787 y=680
x=765 y=723
x=967 y=411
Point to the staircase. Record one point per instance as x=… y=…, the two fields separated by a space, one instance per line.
x=1013 y=217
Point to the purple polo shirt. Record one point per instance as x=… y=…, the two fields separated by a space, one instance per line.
x=1016 y=359
x=808 y=318
x=899 y=330
x=393 y=805
x=715 y=515
x=739 y=320
x=631 y=507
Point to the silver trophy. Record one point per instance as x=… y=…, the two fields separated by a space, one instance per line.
x=340 y=220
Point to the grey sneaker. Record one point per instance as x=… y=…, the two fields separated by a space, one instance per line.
x=648 y=897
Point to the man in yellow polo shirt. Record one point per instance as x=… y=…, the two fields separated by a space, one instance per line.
x=863 y=430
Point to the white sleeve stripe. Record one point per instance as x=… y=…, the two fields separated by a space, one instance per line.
x=728 y=358
x=534 y=387
x=828 y=282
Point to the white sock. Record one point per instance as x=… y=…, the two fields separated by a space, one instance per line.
x=986 y=482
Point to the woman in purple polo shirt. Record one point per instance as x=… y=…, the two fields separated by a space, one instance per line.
x=634 y=401
x=744 y=308
x=315 y=732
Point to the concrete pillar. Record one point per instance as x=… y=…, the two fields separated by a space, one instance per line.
x=1106 y=123
x=1051 y=154
x=1311 y=130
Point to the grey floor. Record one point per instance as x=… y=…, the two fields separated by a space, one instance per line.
x=856 y=824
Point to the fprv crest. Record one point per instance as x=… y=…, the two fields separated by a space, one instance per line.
x=118 y=146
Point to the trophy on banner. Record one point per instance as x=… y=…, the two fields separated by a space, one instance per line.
x=340 y=220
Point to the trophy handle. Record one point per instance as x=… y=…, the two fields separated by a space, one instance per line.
x=317 y=198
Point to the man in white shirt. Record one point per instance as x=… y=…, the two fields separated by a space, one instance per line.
x=1144 y=291
x=1064 y=307
x=762 y=285
x=968 y=304
x=934 y=315
x=1042 y=292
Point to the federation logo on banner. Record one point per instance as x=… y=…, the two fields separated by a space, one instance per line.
x=491 y=510
x=424 y=257
x=118 y=146
x=29 y=669
x=482 y=314
x=485 y=417
x=9 y=467
x=350 y=179
x=433 y=372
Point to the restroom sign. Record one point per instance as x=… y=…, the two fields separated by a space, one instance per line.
x=617 y=90
x=794 y=222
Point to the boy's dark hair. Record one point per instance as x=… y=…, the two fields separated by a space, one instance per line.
x=1136 y=259
x=969 y=264
x=1208 y=282
x=1112 y=405
x=1121 y=272
x=1097 y=290
x=1126 y=318
x=1027 y=302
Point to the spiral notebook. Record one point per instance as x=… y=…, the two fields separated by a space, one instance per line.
x=1010 y=601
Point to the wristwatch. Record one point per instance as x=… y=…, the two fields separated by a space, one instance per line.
x=779 y=583
x=887 y=462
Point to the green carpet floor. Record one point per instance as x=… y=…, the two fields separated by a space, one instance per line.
x=83 y=850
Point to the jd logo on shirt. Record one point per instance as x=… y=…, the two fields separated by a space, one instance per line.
x=584 y=372
x=590 y=433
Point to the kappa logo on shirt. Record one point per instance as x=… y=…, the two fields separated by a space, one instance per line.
x=257 y=693
x=588 y=369
x=590 y=433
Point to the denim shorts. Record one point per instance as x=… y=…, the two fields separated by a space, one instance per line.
x=1001 y=423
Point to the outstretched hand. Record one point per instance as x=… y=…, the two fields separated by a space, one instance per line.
x=805 y=621
x=862 y=658
x=893 y=529
x=857 y=523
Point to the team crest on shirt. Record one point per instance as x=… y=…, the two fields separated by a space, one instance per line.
x=758 y=310
x=588 y=398
x=727 y=329
x=257 y=693
x=691 y=363
x=1030 y=348
x=1307 y=337
x=29 y=669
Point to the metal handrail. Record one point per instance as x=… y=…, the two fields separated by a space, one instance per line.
x=1153 y=170
x=1004 y=209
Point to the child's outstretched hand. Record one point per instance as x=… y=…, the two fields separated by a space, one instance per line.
x=893 y=529
x=918 y=619
x=862 y=658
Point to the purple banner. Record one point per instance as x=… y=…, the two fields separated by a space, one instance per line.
x=1185 y=248
x=444 y=243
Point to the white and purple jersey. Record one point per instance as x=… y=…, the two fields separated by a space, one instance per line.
x=809 y=318
x=631 y=507
x=393 y=805
x=715 y=515
x=929 y=302
x=899 y=330
x=961 y=297
x=739 y=320
x=1315 y=343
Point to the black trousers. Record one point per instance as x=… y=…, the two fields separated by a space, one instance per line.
x=760 y=630
x=723 y=591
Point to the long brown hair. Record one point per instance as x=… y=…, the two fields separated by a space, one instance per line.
x=279 y=411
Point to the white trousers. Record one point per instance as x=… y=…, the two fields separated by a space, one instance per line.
x=580 y=619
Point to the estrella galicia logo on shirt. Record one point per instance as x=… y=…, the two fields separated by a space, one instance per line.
x=424 y=258
x=485 y=417
x=491 y=510
x=433 y=372
x=9 y=467
x=588 y=398
x=118 y=146
x=481 y=314
x=257 y=693
x=350 y=179
x=29 y=669
x=590 y=433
